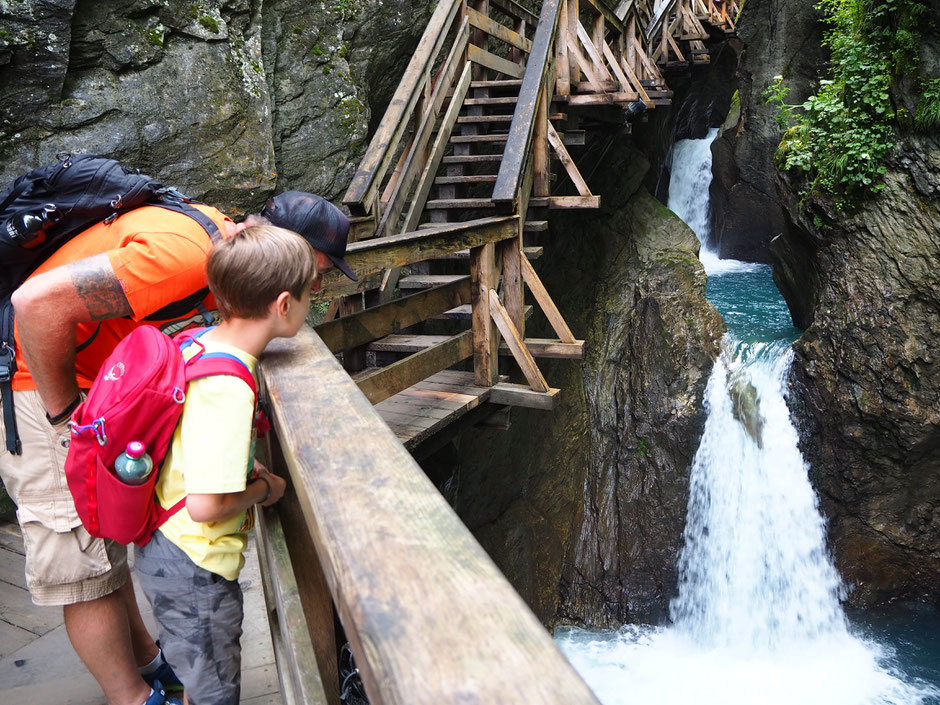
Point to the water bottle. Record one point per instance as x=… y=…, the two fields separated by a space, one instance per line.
x=133 y=466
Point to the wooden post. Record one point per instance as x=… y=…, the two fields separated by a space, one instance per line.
x=512 y=289
x=483 y=278
x=562 y=64
x=540 y=146
x=574 y=21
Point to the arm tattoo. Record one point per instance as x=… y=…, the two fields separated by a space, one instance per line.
x=100 y=289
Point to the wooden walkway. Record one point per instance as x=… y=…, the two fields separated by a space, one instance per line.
x=38 y=666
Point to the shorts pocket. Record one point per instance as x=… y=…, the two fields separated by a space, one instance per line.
x=58 y=549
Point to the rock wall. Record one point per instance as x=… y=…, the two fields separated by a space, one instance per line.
x=226 y=99
x=583 y=508
x=862 y=283
x=780 y=37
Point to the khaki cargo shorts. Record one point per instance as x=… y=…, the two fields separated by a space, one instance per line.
x=64 y=564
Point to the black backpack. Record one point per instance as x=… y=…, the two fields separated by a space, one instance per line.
x=48 y=206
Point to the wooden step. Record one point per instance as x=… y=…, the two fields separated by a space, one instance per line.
x=463 y=313
x=471 y=179
x=449 y=203
x=403 y=343
x=507 y=83
x=538 y=347
x=474 y=139
x=427 y=281
x=472 y=159
x=469 y=119
x=535 y=226
x=531 y=253
x=508 y=100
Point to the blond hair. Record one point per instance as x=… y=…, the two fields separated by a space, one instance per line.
x=248 y=271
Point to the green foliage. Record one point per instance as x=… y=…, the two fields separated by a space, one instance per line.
x=927 y=117
x=209 y=23
x=838 y=138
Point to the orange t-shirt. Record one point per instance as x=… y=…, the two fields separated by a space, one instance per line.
x=158 y=255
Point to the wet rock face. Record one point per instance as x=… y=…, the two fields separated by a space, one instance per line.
x=225 y=99
x=780 y=38
x=868 y=385
x=584 y=508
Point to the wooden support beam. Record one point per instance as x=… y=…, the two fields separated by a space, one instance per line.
x=483 y=279
x=521 y=395
x=385 y=382
x=378 y=322
x=585 y=66
x=372 y=257
x=596 y=60
x=496 y=63
x=570 y=167
x=512 y=287
x=555 y=319
x=495 y=29
x=562 y=62
x=519 y=351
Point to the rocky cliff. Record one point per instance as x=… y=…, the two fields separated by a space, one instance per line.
x=862 y=283
x=225 y=99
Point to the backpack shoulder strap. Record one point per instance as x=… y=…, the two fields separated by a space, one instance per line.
x=220 y=363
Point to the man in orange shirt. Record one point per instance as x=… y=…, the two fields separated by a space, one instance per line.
x=146 y=266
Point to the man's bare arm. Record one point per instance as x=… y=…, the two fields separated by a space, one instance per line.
x=49 y=306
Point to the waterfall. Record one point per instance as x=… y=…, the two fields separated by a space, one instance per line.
x=757 y=619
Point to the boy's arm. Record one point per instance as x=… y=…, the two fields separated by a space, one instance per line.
x=266 y=489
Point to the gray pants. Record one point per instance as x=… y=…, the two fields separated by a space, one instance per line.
x=200 y=617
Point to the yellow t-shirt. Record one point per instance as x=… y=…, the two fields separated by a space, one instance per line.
x=212 y=452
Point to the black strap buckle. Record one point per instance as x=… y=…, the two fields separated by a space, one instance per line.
x=7 y=362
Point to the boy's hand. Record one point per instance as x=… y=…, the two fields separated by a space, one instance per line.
x=277 y=484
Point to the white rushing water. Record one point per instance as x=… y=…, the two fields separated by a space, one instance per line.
x=757 y=619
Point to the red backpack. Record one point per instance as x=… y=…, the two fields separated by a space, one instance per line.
x=138 y=395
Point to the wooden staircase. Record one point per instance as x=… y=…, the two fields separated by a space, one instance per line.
x=477 y=148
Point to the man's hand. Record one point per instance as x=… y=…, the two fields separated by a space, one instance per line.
x=49 y=306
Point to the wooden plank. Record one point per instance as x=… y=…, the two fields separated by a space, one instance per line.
x=635 y=82
x=466 y=179
x=500 y=31
x=549 y=348
x=313 y=594
x=520 y=395
x=428 y=281
x=516 y=153
x=555 y=319
x=364 y=183
x=596 y=60
x=414 y=162
x=562 y=65
x=390 y=380
x=497 y=63
x=512 y=286
x=374 y=323
x=437 y=150
x=406 y=342
x=464 y=313
x=372 y=257
x=567 y=162
x=298 y=671
x=587 y=69
x=522 y=356
x=483 y=279
x=429 y=615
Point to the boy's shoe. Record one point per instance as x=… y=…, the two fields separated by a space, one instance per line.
x=158 y=696
x=165 y=676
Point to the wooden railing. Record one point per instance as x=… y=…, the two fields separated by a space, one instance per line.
x=429 y=616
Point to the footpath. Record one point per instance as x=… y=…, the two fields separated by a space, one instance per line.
x=38 y=666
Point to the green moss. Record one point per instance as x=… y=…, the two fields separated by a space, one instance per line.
x=209 y=23
x=642 y=448
x=194 y=11
x=297 y=29
x=317 y=50
x=155 y=37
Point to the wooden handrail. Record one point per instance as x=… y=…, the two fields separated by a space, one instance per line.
x=365 y=183
x=509 y=178
x=429 y=616
x=659 y=17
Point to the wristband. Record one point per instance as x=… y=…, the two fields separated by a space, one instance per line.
x=267 y=484
x=65 y=413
